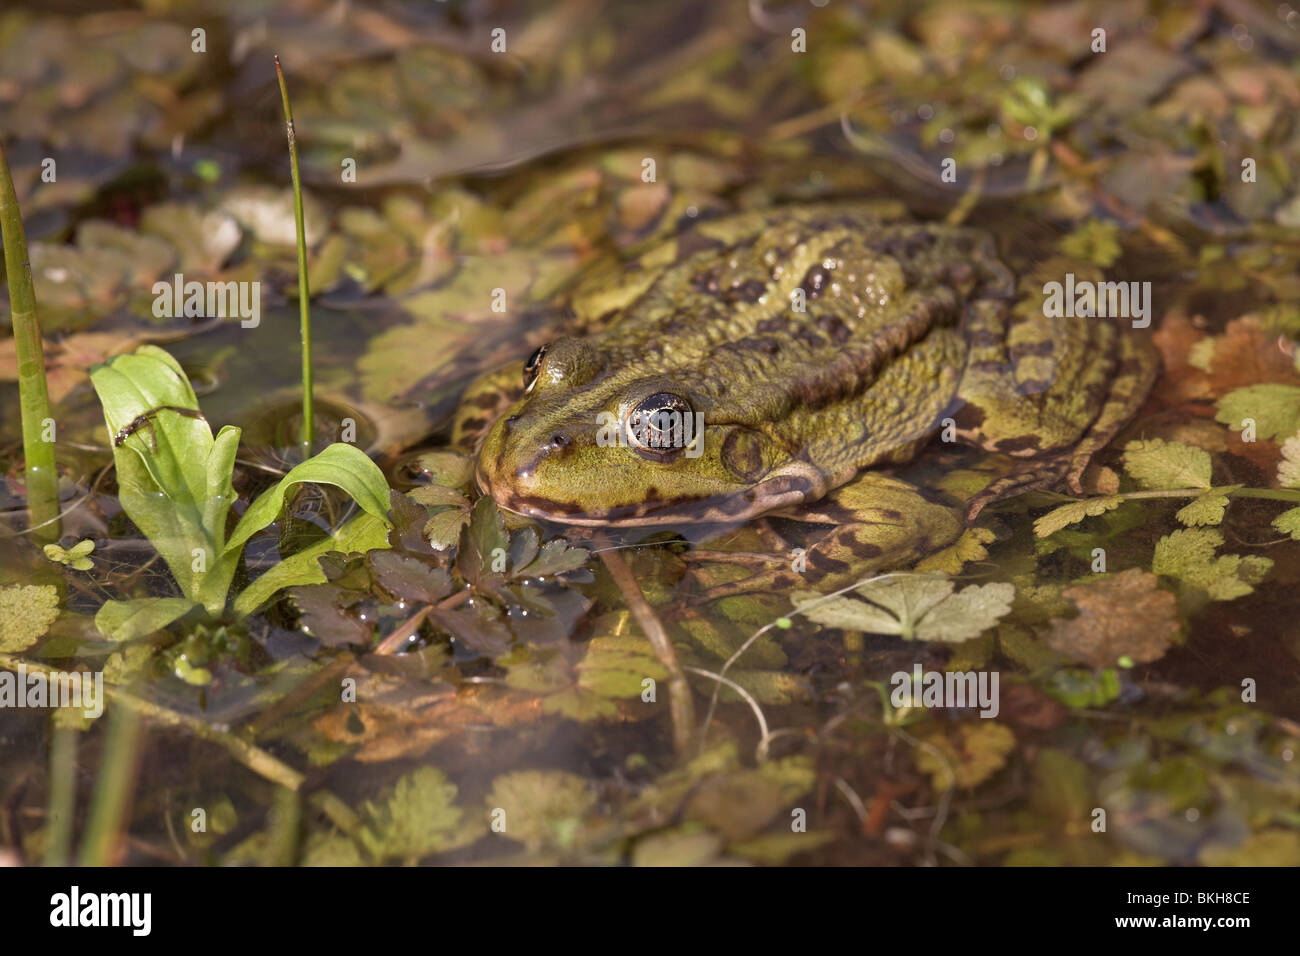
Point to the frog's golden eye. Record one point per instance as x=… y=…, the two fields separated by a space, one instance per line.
x=661 y=426
x=533 y=367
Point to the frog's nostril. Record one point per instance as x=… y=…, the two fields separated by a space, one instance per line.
x=560 y=440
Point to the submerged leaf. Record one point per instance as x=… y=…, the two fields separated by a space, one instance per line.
x=417 y=817
x=915 y=607
x=540 y=808
x=1121 y=615
x=326 y=618
x=966 y=757
x=1273 y=407
x=1162 y=465
x=1074 y=512
x=1206 y=509
x=1188 y=555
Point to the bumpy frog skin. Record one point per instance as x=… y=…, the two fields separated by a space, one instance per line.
x=903 y=325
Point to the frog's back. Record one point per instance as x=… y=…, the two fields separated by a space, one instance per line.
x=830 y=328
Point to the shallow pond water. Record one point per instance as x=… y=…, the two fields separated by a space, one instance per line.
x=431 y=679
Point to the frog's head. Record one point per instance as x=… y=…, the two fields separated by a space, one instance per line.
x=595 y=440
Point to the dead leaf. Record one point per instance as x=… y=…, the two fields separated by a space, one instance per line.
x=1126 y=614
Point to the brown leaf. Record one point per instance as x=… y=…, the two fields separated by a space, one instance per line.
x=1125 y=614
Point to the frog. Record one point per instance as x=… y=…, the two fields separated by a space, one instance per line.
x=816 y=349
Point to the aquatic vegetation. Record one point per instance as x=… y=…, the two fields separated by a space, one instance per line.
x=37 y=423
x=175 y=483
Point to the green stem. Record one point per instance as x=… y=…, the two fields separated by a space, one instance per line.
x=304 y=295
x=34 y=396
x=113 y=787
x=63 y=795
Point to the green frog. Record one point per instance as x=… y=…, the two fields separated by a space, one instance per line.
x=785 y=362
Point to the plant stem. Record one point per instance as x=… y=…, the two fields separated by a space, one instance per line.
x=113 y=788
x=63 y=794
x=680 y=702
x=41 y=475
x=304 y=294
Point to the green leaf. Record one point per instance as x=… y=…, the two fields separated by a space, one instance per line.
x=434 y=496
x=174 y=478
x=555 y=557
x=1288 y=469
x=1288 y=522
x=26 y=613
x=1275 y=409
x=541 y=808
x=408 y=578
x=1206 y=509
x=342 y=465
x=1074 y=512
x=483 y=542
x=443 y=529
x=1189 y=555
x=75 y=557
x=363 y=533
x=417 y=817
x=915 y=607
x=127 y=620
x=1161 y=465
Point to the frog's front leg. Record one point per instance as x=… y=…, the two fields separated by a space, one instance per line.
x=879 y=523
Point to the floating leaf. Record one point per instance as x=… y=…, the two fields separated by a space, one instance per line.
x=76 y=557
x=555 y=557
x=406 y=577
x=1074 y=512
x=26 y=613
x=1274 y=408
x=325 y=616
x=915 y=607
x=1161 y=465
x=483 y=543
x=1125 y=614
x=443 y=529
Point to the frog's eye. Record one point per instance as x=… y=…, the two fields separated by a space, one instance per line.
x=533 y=367
x=661 y=426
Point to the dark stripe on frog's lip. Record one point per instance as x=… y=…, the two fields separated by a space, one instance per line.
x=800 y=484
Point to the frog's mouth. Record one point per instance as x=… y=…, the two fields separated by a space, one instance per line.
x=794 y=486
